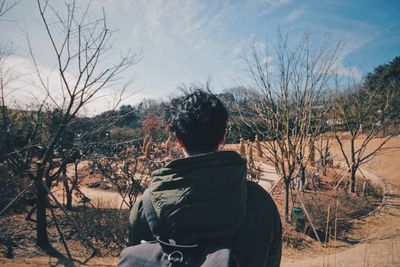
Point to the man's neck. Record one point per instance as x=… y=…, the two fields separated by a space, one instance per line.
x=195 y=153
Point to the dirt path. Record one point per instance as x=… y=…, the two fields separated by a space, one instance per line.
x=99 y=198
x=379 y=233
x=268 y=176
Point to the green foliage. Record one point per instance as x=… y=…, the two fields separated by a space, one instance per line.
x=375 y=103
x=238 y=106
x=21 y=128
x=126 y=116
x=385 y=79
x=123 y=134
x=237 y=129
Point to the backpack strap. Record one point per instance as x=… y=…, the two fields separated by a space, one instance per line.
x=150 y=213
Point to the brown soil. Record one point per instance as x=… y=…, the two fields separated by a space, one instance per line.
x=378 y=234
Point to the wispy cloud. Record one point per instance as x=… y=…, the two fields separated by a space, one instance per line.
x=191 y=40
x=294 y=15
x=268 y=4
x=166 y=23
x=352 y=44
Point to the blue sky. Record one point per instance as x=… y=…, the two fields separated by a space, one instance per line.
x=192 y=41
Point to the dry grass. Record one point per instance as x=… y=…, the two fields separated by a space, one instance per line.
x=348 y=207
x=105 y=227
x=293 y=239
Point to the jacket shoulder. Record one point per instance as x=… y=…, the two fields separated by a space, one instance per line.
x=258 y=195
x=138 y=228
x=262 y=207
x=261 y=230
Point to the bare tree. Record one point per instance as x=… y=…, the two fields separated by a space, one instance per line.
x=287 y=88
x=6 y=74
x=323 y=146
x=80 y=46
x=4 y=82
x=5 y=6
x=360 y=116
x=128 y=175
x=71 y=183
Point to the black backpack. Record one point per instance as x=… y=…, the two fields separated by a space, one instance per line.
x=162 y=252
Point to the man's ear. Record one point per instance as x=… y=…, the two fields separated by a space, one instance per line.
x=180 y=143
x=222 y=142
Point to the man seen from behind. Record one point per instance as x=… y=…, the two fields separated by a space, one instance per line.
x=205 y=197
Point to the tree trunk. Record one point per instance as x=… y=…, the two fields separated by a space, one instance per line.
x=75 y=181
x=324 y=162
x=68 y=191
x=41 y=220
x=69 y=197
x=353 y=179
x=312 y=152
x=303 y=177
x=287 y=184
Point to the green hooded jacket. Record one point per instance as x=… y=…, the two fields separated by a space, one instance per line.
x=206 y=198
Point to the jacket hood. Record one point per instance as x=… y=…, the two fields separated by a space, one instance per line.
x=201 y=197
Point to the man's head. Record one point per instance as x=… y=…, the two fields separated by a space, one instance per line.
x=198 y=120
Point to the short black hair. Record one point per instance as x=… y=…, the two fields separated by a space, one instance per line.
x=199 y=119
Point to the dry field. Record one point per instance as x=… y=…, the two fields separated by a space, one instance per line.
x=378 y=233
